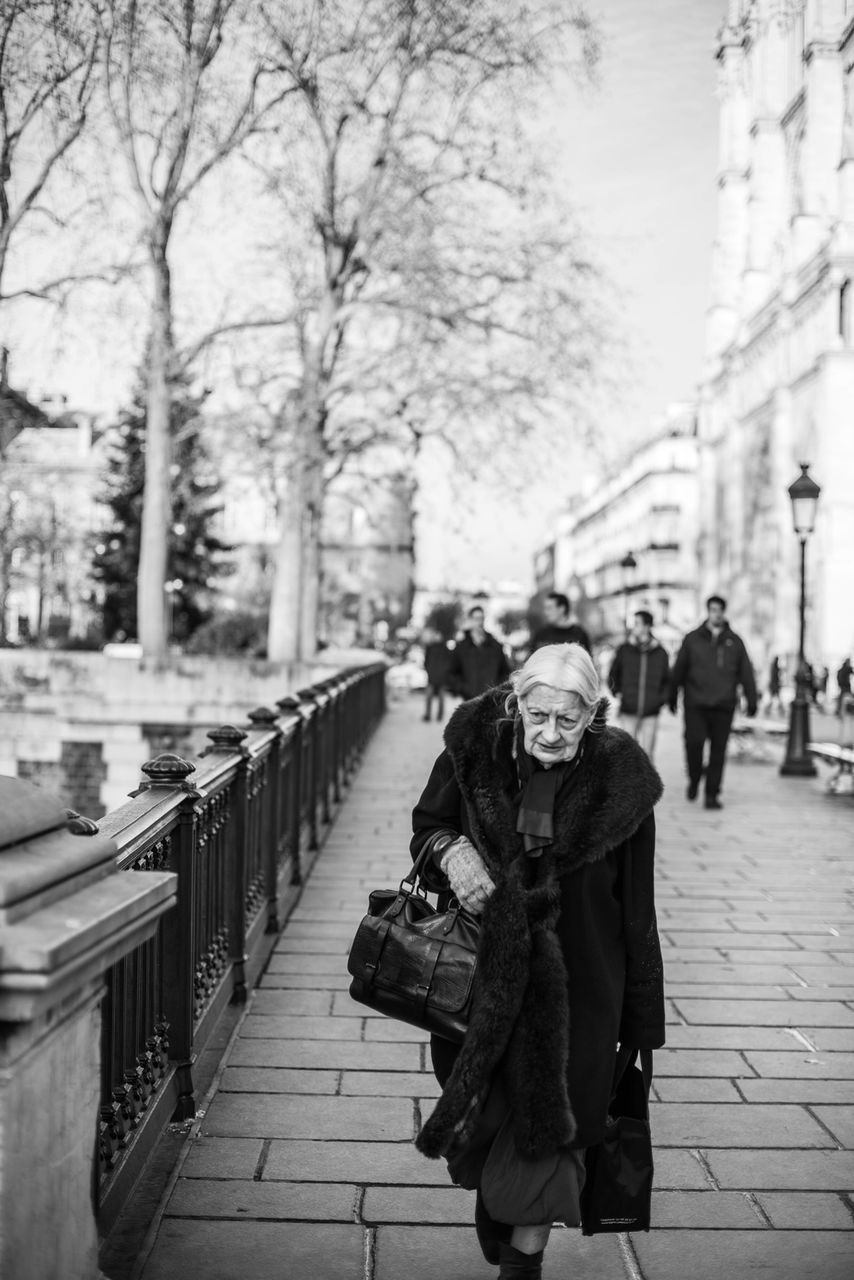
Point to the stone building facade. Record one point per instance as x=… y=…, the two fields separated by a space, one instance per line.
x=778 y=382
x=48 y=511
x=649 y=506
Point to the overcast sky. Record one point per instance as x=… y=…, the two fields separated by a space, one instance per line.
x=640 y=158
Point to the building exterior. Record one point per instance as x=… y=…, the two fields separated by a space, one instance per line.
x=648 y=507
x=16 y=411
x=778 y=384
x=48 y=488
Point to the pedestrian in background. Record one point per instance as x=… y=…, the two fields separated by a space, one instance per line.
x=640 y=678
x=711 y=666
x=843 y=681
x=774 y=685
x=558 y=628
x=437 y=662
x=478 y=661
x=539 y=817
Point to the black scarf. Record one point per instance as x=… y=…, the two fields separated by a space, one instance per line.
x=539 y=790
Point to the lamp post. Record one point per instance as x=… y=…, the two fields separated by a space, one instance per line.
x=628 y=564
x=798 y=763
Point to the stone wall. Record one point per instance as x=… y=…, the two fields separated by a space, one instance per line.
x=81 y=724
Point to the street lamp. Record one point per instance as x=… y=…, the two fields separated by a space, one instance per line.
x=798 y=763
x=628 y=564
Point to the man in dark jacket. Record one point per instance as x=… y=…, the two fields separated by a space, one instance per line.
x=710 y=666
x=478 y=662
x=843 y=683
x=640 y=678
x=558 y=628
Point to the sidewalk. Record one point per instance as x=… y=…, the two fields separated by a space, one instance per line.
x=303 y=1166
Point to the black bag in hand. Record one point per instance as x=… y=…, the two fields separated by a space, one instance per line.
x=414 y=963
x=617 y=1191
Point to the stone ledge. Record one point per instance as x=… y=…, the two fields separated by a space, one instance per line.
x=66 y=945
x=40 y=872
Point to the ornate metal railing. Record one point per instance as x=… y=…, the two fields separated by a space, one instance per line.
x=240 y=827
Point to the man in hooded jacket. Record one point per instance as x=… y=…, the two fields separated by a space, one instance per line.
x=710 y=666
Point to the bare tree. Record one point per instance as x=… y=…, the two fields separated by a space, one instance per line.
x=180 y=107
x=48 y=53
x=430 y=291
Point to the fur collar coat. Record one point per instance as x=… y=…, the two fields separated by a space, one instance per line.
x=571 y=932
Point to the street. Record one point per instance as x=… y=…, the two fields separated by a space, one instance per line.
x=303 y=1164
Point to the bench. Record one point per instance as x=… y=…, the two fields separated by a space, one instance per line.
x=842 y=757
x=756 y=739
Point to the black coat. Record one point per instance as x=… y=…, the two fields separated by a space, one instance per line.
x=569 y=960
x=572 y=633
x=474 y=668
x=711 y=669
x=437 y=662
x=640 y=677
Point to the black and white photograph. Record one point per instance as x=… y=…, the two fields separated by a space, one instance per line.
x=426 y=636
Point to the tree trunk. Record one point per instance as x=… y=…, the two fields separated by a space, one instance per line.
x=310 y=606
x=42 y=554
x=157 y=498
x=283 y=629
x=295 y=599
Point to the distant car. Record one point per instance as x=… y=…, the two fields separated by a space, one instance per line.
x=122 y=649
x=405 y=677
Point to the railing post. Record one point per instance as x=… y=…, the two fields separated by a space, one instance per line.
x=310 y=762
x=229 y=739
x=265 y=720
x=314 y=694
x=168 y=771
x=289 y=705
x=351 y=709
x=335 y=686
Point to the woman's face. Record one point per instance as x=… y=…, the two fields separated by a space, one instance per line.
x=554 y=722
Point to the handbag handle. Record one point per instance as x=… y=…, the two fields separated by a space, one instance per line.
x=418 y=865
x=412 y=876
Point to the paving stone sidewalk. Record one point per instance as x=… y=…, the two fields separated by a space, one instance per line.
x=303 y=1166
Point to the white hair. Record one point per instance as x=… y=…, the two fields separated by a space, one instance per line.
x=567 y=667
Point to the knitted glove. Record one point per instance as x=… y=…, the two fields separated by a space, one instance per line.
x=468 y=877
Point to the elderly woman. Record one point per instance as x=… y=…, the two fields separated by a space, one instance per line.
x=539 y=817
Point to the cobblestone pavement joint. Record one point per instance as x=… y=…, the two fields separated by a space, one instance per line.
x=303 y=1165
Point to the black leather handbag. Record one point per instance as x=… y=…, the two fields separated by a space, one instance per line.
x=617 y=1191
x=414 y=963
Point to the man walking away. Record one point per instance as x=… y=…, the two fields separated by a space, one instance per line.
x=558 y=628
x=843 y=681
x=640 y=678
x=710 y=666
x=437 y=660
x=478 y=661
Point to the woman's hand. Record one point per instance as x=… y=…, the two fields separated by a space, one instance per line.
x=468 y=877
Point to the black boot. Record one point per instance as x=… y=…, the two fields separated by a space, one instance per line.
x=519 y=1266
